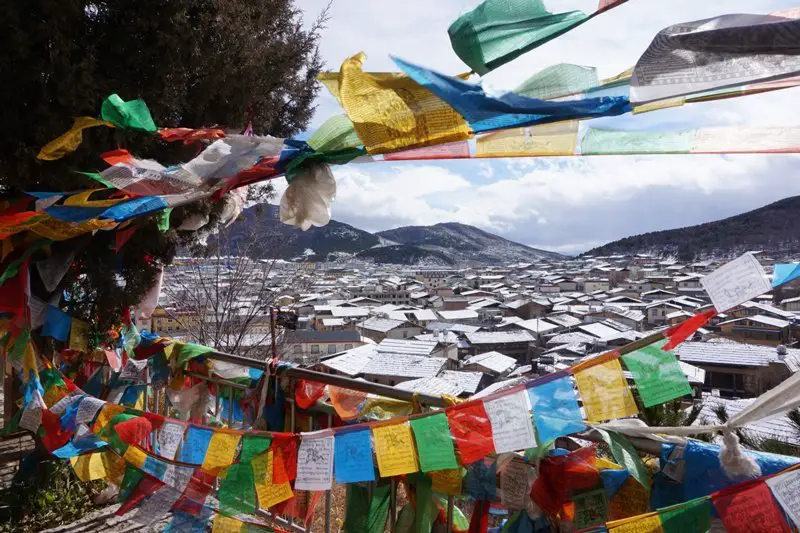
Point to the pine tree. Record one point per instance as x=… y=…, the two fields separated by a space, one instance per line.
x=195 y=62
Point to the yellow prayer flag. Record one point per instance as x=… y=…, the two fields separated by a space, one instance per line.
x=268 y=493
x=447 y=481
x=382 y=408
x=560 y=138
x=393 y=112
x=115 y=467
x=648 y=523
x=226 y=524
x=659 y=104
x=107 y=412
x=89 y=467
x=29 y=363
x=394 y=448
x=69 y=141
x=135 y=456
x=605 y=392
x=81 y=199
x=61 y=230
x=54 y=394
x=221 y=450
x=79 y=335
x=604 y=464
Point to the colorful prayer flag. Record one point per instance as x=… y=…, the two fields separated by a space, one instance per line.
x=434 y=443
x=394 y=448
x=605 y=392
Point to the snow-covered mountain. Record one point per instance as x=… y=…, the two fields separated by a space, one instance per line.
x=447 y=244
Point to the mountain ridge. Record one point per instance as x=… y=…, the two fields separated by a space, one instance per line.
x=774 y=228
x=444 y=244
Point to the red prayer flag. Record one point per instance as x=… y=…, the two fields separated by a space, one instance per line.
x=189 y=135
x=472 y=431
x=194 y=495
x=123 y=236
x=479 y=523
x=134 y=430
x=53 y=436
x=307 y=393
x=752 y=509
x=561 y=475
x=681 y=332
x=284 y=457
x=117 y=156
x=147 y=486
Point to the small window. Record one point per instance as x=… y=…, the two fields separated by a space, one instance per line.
x=348 y=346
x=405 y=334
x=331 y=348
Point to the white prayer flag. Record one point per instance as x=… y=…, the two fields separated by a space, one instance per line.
x=512 y=424
x=736 y=282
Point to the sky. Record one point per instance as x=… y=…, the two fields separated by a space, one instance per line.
x=566 y=205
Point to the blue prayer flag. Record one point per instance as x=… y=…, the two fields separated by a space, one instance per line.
x=555 y=409
x=352 y=457
x=57 y=324
x=784 y=273
x=486 y=113
x=195 y=445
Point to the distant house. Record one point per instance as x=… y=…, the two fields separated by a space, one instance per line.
x=392 y=368
x=527 y=309
x=758 y=329
x=737 y=369
x=791 y=304
x=516 y=344
x=492 y=363
x=377 y=329
x=307 y=346
x=657 y=312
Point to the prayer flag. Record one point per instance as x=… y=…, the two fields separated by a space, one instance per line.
x=221 y=451
x=752 y=509
x=57 y=324
x=393 y=112
x=268 y=492
x=472 y=431
x=512 y=424
x=555 y=409
x=657 y=374
x=315 y=462
x=394 y=448
x=353 y=457
x=195 y=445
x=694 y=515
x=237 y=490
x=784 y=273
x=605 y=392
x=68 y=142
x=133 y=115
x=434 y=443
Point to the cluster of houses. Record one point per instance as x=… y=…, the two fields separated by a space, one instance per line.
x=468 y=332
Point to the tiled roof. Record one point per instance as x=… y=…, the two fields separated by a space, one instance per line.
x=494 y=361
x=442 y=326
x=461 y=314
x=780 y=427
x=411 y=366
x=499 y=337
x=351 y=362
x=735 y=354
x=468 y=381
x=407 y=346
x=538 y=325
x=434 y=386
x=380 y=324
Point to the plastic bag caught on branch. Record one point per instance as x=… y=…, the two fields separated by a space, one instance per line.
x=307 y=200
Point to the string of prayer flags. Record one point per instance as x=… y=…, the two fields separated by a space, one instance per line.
x=784 y=273
x=486 y=113
x=498 y=31
x=605 y=391
x=753 y=509
x=394 y=449
x=555 y=409
x=512 y=423
x=471 y=430
x=353 y=457
x=657 y=374
x=315 y=462
x=269 y=493
x=221 y=451
x=417 y=117
x=689 y=57
x=434 y=444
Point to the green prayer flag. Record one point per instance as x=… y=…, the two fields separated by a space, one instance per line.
x=625 y=454
x=13 y=267
x=336 y=133
x=434 y=443
x=598 y=141
x=657 y=374
x=253 y=445
x=694 y=515
x=498 y=31
x=363 y=515
x=132 y=115
x=130 y=480
x=591 y=508
x=237 y=493
x=163 y=219
x=426 y=509
x=18 y=348
x=184 y=352
x=97 y=177
x=334 y=157
x=559 y=80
